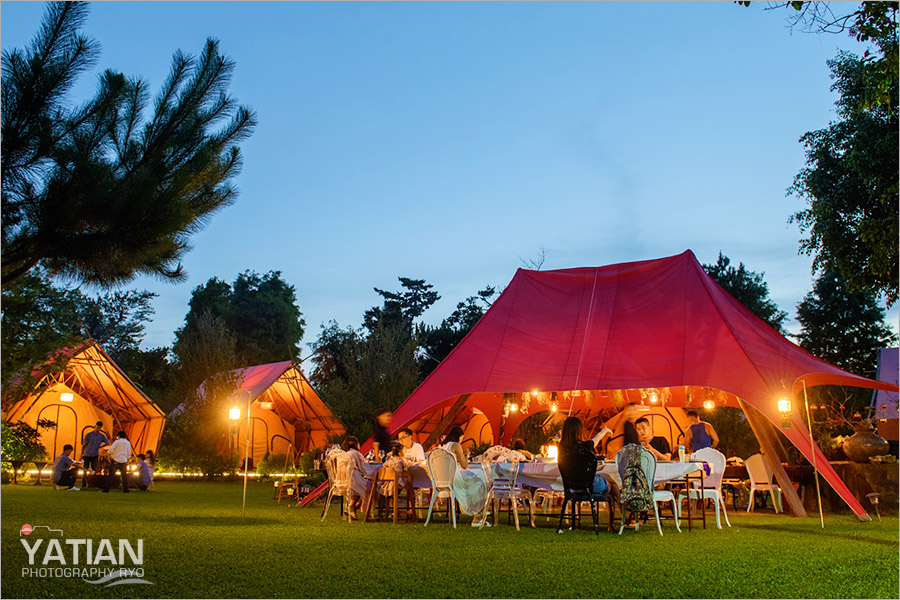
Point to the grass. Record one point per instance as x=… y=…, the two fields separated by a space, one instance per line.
x=196 y=546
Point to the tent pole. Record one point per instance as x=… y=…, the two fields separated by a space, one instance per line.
x=246 y=456
x=441 y=427
x=757 y=423
x=812 y=444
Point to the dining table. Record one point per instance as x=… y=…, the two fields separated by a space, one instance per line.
x=545 y=475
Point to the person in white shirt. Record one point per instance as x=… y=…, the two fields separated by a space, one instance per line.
x=411 y=450
x=119 y=454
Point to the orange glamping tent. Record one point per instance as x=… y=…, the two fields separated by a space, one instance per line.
x=593 y=338
x=90 y=388
x=297 y=421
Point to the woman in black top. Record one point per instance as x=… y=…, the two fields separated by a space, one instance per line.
x=577 y=457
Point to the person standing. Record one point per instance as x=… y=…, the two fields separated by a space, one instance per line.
x=700 y=434
x=630 y=414
x=151 y=462
x=382 y=437
x=119 y=454
x=90 y=450
x=65 y=470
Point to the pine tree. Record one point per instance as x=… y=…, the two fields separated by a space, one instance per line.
x=96 y=193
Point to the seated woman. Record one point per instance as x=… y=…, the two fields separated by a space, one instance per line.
x=470 y=487
x=359 y=485
x=519 y=446
x=579 y=455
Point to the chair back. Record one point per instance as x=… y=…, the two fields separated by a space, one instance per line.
x=637 y=470
x=577 y=472
x=441 y=466
x=758 y=469
x=716 y=462
x=338 y=466
x=648 y=464
x=504 y=485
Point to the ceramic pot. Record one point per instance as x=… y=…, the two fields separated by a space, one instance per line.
x=865 y=443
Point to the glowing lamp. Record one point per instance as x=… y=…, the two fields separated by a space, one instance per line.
x=784 y=407
x=534 y=393
x=234 y=414
x=553 y=408
x=67 y=397
x=266 y=405
x=654 y=399
x=553 y=452
x=513 y=407
x=709 y=404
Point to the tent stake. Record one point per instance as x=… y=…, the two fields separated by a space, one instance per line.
x=813 y=448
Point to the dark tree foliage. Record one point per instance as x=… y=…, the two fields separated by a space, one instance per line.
x=749 y=288
x=117 y=319
x=39 y=318
x=842 y=326
x=437 y=342
x=403 y=307
x=850 y=184
x=334 y=350
x=265 y=318
x=379 y=365
x=259 y=311
x=845 y=327
x=21 y=441
x=874 y=23
x=153 y=373
x=98 y=193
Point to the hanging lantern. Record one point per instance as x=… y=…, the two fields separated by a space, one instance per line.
x=784 y=407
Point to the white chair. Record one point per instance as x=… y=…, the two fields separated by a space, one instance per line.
x=506 y=488
x=545 y=498
x=441 y=466
x=760 y=474
x=712 y=483
x=648 y=466
x=339 y=468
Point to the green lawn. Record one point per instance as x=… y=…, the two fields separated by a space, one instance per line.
x=195 y=545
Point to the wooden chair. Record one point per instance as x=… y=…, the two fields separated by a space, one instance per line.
x=385 y=475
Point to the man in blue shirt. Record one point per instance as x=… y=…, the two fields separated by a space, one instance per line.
x=65 y=470
x=143 y=473
x=90 y=451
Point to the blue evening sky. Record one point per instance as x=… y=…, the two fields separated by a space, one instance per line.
x=449 y=141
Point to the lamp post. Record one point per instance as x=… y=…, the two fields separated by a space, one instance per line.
x=235 y=414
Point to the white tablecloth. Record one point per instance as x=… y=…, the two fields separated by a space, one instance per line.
x=546 y=475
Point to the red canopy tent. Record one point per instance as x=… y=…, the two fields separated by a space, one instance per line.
x=601 y=336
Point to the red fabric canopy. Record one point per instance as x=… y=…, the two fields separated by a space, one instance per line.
x=650 y=324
